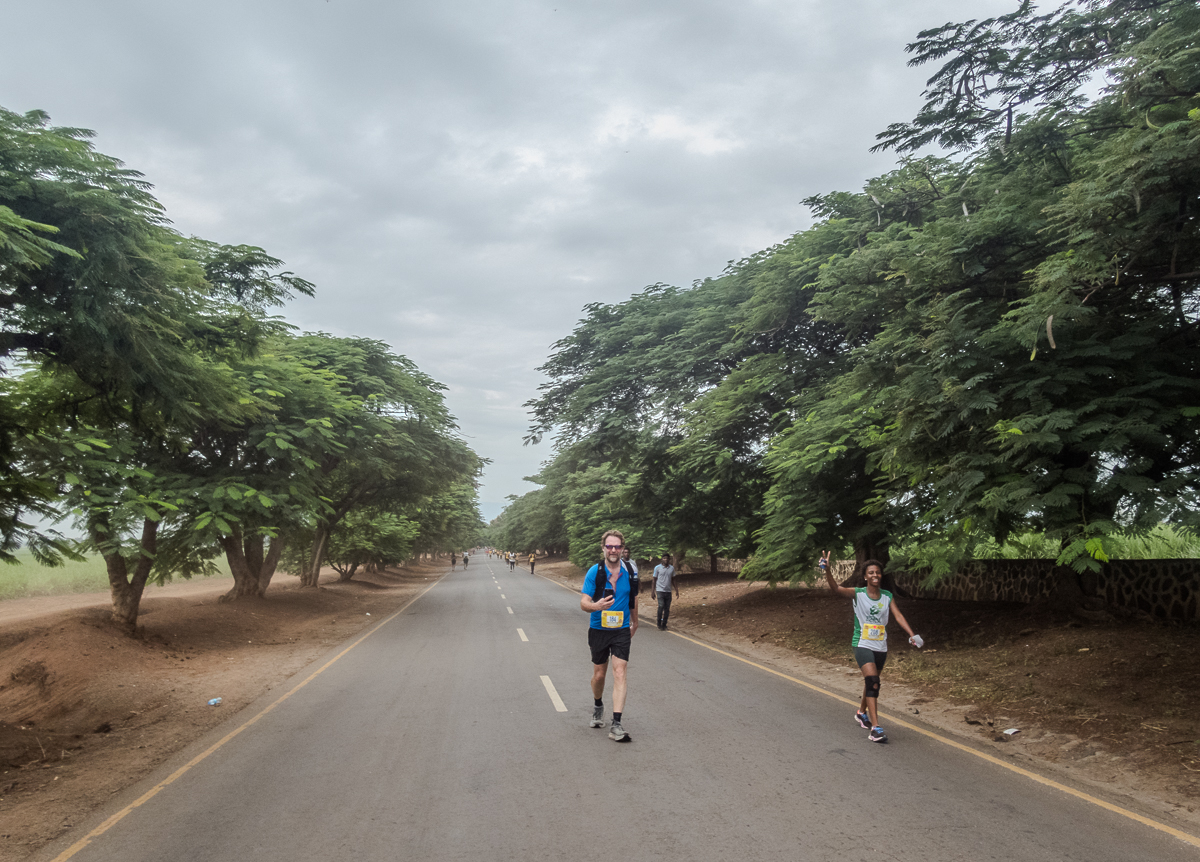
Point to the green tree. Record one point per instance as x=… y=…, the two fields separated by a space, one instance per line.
x=399 y=449
x=371 y=539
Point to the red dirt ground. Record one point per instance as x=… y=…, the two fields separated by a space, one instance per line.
x=87 y=710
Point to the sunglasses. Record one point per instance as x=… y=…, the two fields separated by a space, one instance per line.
x=613 y=547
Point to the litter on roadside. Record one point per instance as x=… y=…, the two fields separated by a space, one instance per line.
x=216 y=701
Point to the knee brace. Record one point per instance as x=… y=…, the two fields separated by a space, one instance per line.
x=871 y=689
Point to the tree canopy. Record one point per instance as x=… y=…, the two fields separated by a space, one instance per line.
x=151 y=391
x=997 y=338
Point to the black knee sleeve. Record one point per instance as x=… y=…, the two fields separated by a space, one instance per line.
x=871 y=689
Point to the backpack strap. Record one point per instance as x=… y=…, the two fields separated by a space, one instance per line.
x=601 y=580
x=601 y=583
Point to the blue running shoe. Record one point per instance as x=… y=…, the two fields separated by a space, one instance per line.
x=864 y=720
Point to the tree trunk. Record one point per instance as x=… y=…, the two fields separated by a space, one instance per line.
x=874 y=549
x=269 y=564
x=252 y=569
x=869 y=549
x=245 y=581
x=126 y=588
x=348 y=573
x=312 y=568
x=712 y=563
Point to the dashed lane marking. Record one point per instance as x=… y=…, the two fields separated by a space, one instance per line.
x=521 y=632
x=559 y=706
x=510 y=610
x=1032 y=776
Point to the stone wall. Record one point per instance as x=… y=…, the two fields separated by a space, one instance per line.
x=1163 y=589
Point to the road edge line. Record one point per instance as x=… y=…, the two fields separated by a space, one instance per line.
x=116 y=818
x=1025 y=773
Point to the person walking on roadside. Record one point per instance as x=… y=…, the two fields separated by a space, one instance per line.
x=532 y=560
x=609 y=598
x=664 y=580
x=630 y=563
x=872 y=608
x=466 y=557
x=453 y=561
x=512 y=560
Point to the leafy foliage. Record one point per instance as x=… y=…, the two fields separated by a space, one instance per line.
x=968 y=350
x=151 y=393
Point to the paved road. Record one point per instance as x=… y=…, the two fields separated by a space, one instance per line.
x=436 y=739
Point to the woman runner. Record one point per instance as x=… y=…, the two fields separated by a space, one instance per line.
x=872 y=607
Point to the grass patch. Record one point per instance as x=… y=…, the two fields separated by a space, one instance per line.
x=28 y=578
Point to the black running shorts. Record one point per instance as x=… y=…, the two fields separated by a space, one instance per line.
x=605 y=641
x=862 y=655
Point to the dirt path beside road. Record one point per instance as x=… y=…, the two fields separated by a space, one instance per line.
x=14 y=611
x=88 y=710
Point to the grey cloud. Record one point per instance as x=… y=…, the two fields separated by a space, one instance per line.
x=460 y=179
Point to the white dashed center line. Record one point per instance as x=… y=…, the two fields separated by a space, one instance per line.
x=521 y=632
x=559 y=706
x=510 y=610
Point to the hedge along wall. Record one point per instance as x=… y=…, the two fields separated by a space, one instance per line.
x=1163 y=589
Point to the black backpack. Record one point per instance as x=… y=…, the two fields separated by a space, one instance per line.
x=601 y=583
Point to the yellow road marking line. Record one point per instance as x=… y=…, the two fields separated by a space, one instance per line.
x=179 y=773
x=1033 y=776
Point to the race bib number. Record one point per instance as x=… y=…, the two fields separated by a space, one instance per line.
x=612 y=619
x=873 y=632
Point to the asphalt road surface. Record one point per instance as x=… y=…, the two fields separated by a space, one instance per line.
x=438 y=738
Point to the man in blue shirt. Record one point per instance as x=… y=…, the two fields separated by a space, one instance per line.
x=614 y=622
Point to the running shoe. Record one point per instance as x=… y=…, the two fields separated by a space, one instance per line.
x=616 y=732
x=864 y=720
x=598 y=717
x=877 y=735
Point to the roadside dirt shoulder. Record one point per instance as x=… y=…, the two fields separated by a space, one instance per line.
x=87 y=710
x=1101 y=706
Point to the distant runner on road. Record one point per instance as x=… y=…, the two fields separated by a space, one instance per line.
x=531 y=563
x=453 y=560
x=612 y=603
x=466 y=557
x=872 y=607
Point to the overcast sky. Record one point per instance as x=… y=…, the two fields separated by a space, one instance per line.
x=460 y=178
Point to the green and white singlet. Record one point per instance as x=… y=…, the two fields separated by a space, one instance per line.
x=871 y=619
